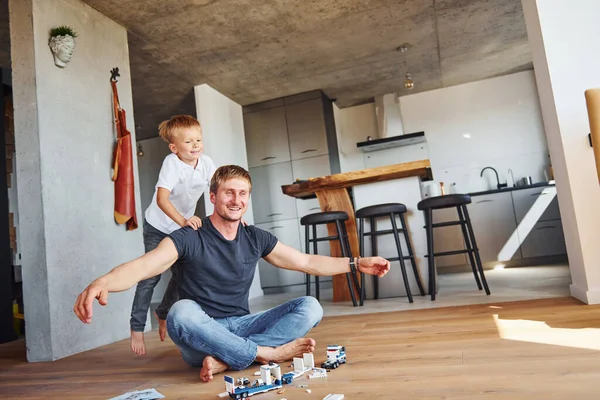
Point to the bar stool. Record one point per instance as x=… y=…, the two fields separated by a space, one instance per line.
x=459 y=201
x=310 y=222
x=389 y=210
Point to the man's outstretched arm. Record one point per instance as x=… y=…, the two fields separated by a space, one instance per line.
x=124 y=277
x=286 y=257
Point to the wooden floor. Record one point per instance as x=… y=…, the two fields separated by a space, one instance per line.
x=540 y=349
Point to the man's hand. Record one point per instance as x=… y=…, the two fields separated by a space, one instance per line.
x=83 y=306
x=195 y=222
x=374 y=266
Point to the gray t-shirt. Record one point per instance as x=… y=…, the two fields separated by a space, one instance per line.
x=216 y=272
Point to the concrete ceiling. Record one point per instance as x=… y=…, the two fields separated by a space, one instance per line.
x=256 y=50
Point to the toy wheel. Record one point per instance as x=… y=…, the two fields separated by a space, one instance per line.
x=245 y=394
x=238 y=396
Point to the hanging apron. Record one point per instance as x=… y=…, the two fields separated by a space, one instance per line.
x=123 y=169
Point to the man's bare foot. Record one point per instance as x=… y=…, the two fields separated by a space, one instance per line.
x=211 y=366
x=137 y=343
x=285 y=352
x=162 y=328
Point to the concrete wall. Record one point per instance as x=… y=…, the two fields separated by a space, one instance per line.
x=224 y=142
x=64 y=143
x=564 y=45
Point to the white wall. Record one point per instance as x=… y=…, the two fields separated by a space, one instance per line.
x=64 y=139
x=353 y=125
x=564 y=44
x=495 y=122
x=224 y=142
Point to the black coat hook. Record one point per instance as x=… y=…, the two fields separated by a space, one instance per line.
x=114 y=73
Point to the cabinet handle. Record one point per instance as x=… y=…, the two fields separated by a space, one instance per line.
x=484 y=201
x=268 y=158
x=275 y=227
x=547 y=227
x=314 y=208
x=308 y=151
x=272 y=215
x=538 y=194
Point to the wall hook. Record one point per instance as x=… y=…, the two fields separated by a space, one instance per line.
x=114 y=73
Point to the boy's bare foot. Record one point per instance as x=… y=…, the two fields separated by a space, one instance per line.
x=285 y=352
x=137 y=343
x=211 y=366
x=162 y=328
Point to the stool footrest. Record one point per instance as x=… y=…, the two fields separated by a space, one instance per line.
x=451 y=253
x=449 y=223
x=323 y=239
x=398 y=258
x=384 y=232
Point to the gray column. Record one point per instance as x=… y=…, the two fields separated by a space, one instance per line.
x=64 y=139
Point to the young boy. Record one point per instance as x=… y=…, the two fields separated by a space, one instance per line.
x=184 y=176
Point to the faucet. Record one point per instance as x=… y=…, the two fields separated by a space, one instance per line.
x=513 y=177
x=500 y=185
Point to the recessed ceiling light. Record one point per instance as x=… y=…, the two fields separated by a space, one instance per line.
x=403 y=48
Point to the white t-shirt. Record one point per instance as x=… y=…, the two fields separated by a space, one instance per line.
x=186 y=185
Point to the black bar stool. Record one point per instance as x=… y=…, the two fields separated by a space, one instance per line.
x=459 y=201
x=310 y=222
x=389 y=210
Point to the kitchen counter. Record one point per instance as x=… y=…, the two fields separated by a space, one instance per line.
x=511 y=189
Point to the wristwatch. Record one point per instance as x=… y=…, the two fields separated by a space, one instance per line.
x=354 y=264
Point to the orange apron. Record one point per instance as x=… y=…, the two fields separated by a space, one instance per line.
x=123 y=169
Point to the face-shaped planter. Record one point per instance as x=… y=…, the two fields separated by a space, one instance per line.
x=62 y=47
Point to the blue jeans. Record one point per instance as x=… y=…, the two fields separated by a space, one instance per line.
x=145 y=288
x=235 y=340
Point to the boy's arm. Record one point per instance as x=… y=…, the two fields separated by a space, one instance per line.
x=162 y=199
x=125 y=276
x=286 y=257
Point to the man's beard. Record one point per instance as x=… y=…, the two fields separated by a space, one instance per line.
x=226 y=218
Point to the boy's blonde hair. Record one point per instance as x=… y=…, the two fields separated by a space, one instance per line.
x=227 y=172
x=168 y=129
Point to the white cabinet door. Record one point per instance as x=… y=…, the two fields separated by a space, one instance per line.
x=493 y=220
x=523 y=200
x=545 y=239
x=287 y=233
x=268 y=201
x=266 y=137
x=306 y=129
x=448 y=238
x=310 y=168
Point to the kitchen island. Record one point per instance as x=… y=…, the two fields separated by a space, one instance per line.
x=399 y=183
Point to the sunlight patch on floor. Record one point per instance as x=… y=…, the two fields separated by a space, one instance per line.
x=539 y=332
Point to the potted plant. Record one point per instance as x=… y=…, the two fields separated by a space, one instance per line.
x=62 y=44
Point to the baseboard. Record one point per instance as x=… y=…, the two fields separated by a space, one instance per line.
x=586 y=296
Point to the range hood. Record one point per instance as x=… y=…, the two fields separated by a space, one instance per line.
x=390 y=128
x=392 y=141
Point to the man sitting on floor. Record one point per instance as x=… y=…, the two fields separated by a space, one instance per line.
x=212 y=324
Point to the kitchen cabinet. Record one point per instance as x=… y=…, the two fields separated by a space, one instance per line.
x=266 y=137
x=524 y=199
x=493 y=220
x=305 y=169
x=287 y=233
x=306 y=129
x=545 y=239
x=448 y=238
x=286 y=139
x=268 y=201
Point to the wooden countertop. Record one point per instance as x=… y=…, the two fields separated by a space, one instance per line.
x=420 y=168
